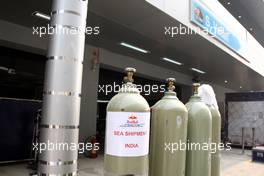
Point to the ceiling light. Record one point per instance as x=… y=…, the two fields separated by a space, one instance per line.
x=226 y=81
x=102 y=101
x=3 y=68
x=198 y=71
x=239 y=16
x=240 y=87
x=41 y=15
x=134 y=47
x=251 y=29
x=172 y=61
x=228 y=3
x=11 y=71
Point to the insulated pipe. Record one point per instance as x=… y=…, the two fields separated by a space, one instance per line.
x=62 y=89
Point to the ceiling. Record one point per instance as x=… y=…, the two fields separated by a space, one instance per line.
x=250 y=13
x=145 y=28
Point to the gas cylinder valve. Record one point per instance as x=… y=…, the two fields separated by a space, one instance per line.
x=130 y=72
x=171 y=84
x=195 y=88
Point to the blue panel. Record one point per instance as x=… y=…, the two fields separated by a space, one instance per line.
x=205 y=19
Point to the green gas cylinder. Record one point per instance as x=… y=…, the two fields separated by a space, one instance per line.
x=168 y=130
x=127 y=131
x=207 y=94
x=198 y=161
x=216 y=139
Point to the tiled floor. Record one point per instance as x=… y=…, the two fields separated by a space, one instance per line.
x=233 y=163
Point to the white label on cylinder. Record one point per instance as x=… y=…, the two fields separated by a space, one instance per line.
x=127 y=134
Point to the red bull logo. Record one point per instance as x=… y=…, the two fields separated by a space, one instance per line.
x=132 y=119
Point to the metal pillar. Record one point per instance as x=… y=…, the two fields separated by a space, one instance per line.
x=243 y=140
x=62 y=89
x=253 y=138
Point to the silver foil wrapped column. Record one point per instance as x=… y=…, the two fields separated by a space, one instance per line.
x=62 y=89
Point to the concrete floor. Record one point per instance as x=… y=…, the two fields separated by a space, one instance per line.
x=233 y=163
